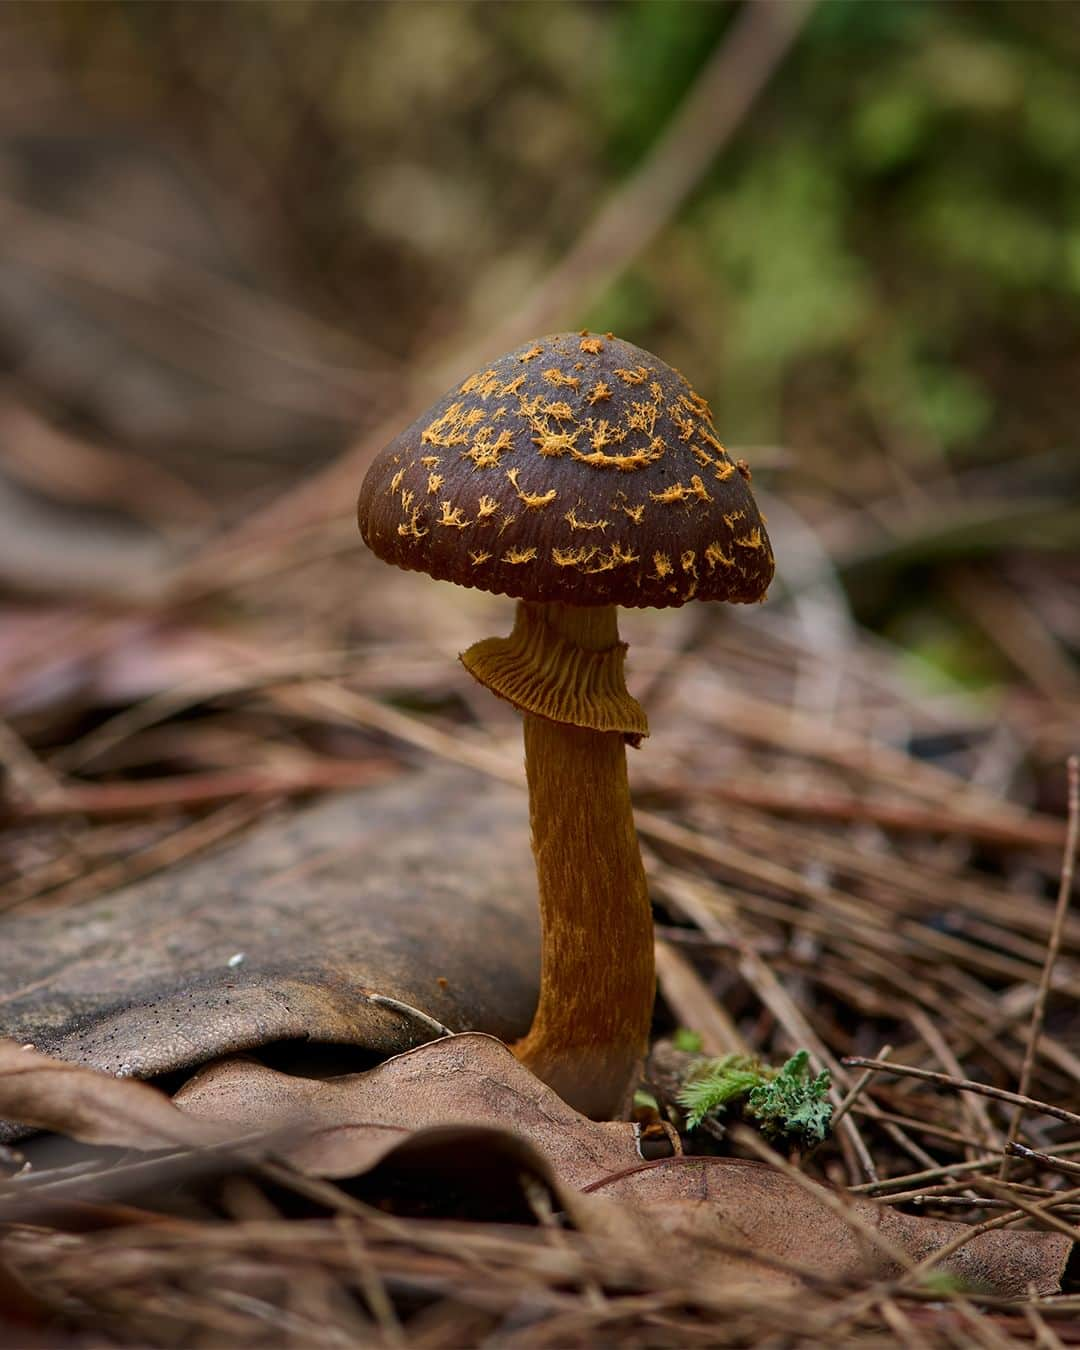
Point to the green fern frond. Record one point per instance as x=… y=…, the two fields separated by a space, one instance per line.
x=715 y=1083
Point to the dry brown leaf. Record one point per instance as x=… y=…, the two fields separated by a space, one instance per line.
x=93 y=1107
x=438 y=1116
x=694 y=1201
x=420 y=890
x=702 y=1213
x=461 y=1080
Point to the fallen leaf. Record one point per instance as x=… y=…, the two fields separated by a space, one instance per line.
x=462 y=1080
x=419 y=892
x=430 y=1127
x=692 y=1200
x=50 y=1094
x=700 y=1213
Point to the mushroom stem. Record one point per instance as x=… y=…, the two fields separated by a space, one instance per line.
x=597 y=979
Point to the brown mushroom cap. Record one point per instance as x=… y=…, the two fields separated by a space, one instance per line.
x=576 y=469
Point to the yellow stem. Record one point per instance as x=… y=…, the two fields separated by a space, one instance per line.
x=597 y=978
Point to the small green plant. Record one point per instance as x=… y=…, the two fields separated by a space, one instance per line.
x=793 y=1104
x=687 y=1040
x=943 y=1282
x=788 y=1103
x=716 y=1082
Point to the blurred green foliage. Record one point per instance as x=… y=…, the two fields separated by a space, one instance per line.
x=899 y=216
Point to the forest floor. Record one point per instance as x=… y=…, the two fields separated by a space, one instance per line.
x=843 y=859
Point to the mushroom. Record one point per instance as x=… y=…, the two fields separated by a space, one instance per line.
x=576 y=473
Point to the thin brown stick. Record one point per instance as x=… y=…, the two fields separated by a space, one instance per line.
x=1038 y=1013
x=1045 y=1338
x=1041 y=1210
x=960 y=1192
x=145 y=796
x=901 y=1326
x=26 y=776
x=1037 y=831
x=944 y=1198
x=693 y=1003
x=1056 y=1164
x=963 y=1085
x=856 y=1090
x=954 y=1169
x=927 y=1127
x=370 y=1281
x=973 y=1107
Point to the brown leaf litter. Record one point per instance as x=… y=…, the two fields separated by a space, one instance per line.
x=330 y=923
x=467 y=1096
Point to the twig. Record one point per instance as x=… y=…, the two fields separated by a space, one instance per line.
x=1056 y=1164
x=856 y=1090
x=963 y=1085
x=145 y=796
x=974 y=1108
x=1038 y=1013
x=941 y=1197
x=953 y=1169
x=1042 y=1209
x=918 y=1126
x=370 y=1281
x=407 y=1011
x=1036 y=831
x=691 y=1000
x=27 y=777
x=961 y=1192
x=901 y=1326
x=1045 y=1338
